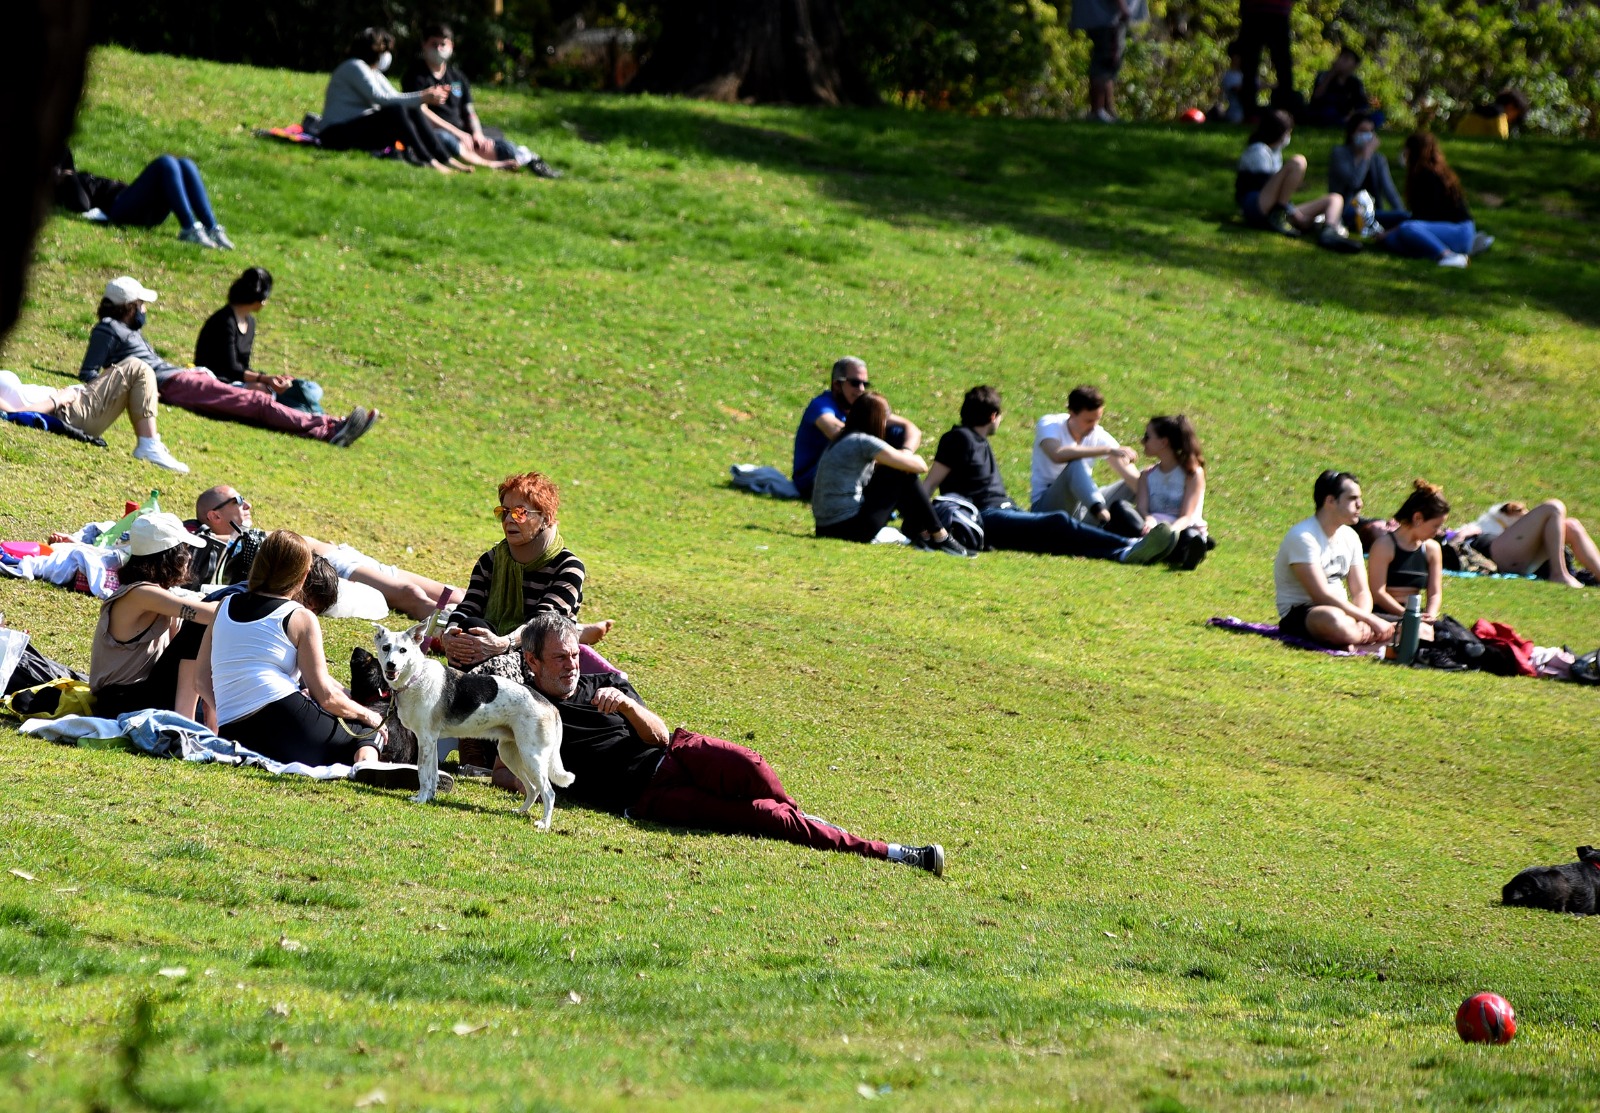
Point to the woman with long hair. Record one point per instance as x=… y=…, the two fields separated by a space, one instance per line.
x=862 y=481
x=150 y=629
x=1173 y=489
x=1441 y=225
x=262 y=648
x=1407 y=560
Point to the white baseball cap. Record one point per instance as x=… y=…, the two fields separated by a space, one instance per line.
x=121 y=291
x=156 y=533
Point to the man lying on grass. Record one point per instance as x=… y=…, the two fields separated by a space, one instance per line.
x=624 y=760
x=232 y=540
x=1319 y=558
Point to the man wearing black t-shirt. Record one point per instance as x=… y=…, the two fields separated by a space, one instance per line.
x=455 y=122
x=624 y=761
x=964 y=465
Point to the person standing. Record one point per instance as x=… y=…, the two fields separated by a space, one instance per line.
x=1264 y=25
x=1106 y=24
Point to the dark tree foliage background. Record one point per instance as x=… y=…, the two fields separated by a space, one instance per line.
x=1427 y=60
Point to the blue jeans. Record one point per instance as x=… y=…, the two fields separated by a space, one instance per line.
x=167 y=185
x=1431 y=239
x=1055 y=532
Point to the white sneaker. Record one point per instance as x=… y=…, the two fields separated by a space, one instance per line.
x=219 y=237
x=1452 y=259
x=197 y=235
x=154 y=452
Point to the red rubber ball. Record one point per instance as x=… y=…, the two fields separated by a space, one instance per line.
x=1486 y=1018
x=1192 y=116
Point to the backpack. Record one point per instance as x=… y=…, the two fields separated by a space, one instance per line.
x=1586 y=669
x=959 y=515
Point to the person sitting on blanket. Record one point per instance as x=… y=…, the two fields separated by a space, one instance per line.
x=228 y=338
x=167 y=185
x=1408 y=559
x=824 y=420
x=150 y=629
x=1318 y=576
x=455 y=122
x=118 y=337
x=128 y=388
x=1534 y=541
x=624 y=760
x=224 y=518
x=362 y=111
x=964 y=465
x=262 y=647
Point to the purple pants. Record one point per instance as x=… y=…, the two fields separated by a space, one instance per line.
x=204 y=393
x=706 y=782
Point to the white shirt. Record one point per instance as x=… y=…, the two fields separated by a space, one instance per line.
x=1054 y=427
x=1307 y=544
x=18 y=395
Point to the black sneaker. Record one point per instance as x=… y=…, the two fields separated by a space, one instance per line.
x=949 y=546
x=351 y=428
x=930 y=858
x=543 y=169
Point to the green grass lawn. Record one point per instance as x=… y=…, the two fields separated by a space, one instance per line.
x=1187 y=870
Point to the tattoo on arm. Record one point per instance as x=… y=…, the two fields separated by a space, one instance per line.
x=187 y=613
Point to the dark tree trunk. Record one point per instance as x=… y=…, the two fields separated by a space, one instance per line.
x=784 y=51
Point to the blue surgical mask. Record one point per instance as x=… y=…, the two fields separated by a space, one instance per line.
x=138 y=321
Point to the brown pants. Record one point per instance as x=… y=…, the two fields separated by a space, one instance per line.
x=129 y=385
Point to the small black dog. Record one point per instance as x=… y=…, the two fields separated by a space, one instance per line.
x=1568 y=888
x=367 y=688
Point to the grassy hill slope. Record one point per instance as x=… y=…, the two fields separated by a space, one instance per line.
x=1187 y=869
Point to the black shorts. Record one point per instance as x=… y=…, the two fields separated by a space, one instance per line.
x=1293 y=624
x=1105 y=57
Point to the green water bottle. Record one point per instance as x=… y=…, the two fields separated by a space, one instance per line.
x=113 y=536
x=1410 y=628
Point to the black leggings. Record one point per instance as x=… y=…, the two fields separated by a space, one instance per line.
x=160 y=688
x=891 y=489
x=1269 y=31
x=384 y=128
x=293 y=729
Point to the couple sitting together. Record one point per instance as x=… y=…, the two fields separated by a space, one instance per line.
x=1325 y=595
x=868 y=468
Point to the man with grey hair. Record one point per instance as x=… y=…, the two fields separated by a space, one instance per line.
x=624 y=760
x=823 y=421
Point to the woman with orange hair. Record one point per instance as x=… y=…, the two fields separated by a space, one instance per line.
x=530 y=570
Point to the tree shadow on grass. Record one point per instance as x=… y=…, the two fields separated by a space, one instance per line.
x=1152 y=195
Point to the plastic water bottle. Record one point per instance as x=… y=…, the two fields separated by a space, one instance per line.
x=1410 y=627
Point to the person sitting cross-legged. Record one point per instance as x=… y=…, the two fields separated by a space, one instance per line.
x=625 y=761
x=964 y=465
x=1318 y=576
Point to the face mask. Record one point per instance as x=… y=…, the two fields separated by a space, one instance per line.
x=382 y=64
x=1365 y=137
x=138 y=321
x=1285 y=142
x=439 y=56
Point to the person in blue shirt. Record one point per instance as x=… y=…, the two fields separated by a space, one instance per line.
x=824 y=420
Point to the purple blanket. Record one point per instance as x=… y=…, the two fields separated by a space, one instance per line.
x=1270 y=630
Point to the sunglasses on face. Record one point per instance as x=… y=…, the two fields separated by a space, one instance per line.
x=244 y=503
x=518 y=514
x=859 y=384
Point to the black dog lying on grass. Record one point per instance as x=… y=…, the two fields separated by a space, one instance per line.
x=1568 y=888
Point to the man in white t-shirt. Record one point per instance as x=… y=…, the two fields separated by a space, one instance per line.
x=1065 y=450
x=1319 y=576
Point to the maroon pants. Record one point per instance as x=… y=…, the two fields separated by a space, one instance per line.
x=706 y=782
x=204 y=393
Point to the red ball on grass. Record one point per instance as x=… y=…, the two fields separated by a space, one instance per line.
x=1486 y=1018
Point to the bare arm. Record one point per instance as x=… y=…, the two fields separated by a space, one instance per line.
x=203 y=673
x=901 y=460
x=913 y=434
x=307 y=638
x=829 y=426
x=442 y=124
x=1141 y=495
x=57 y=399
x=1310 y=577
x=1360 y=592
x=133 y=611
x=1064 y=452
x=1435 y=595
x=936 y=475
x=1378 y=562
x=1194 y=491
x=647 y=723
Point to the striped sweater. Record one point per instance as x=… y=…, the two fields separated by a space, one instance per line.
x=558 y=586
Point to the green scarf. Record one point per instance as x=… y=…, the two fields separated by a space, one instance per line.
x=507 y=609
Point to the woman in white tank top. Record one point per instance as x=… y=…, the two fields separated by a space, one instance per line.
x=1173 y=489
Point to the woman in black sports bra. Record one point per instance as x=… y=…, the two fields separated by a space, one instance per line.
x=1408 y=560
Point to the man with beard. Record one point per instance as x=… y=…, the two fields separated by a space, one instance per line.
x=823 y=421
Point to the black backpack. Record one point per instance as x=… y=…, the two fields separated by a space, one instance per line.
x=959 y=515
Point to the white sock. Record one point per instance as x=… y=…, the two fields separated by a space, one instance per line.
x=897 y=853
x=148 y=442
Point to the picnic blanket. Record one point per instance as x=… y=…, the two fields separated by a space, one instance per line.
x=169 y=734
x=294 y=133
x=759 y=479
x=1270 y=630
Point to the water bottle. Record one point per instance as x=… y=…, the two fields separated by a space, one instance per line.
x=1410 y=627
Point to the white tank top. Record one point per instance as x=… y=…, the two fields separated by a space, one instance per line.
x=252 y=663
x=1166 y=492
